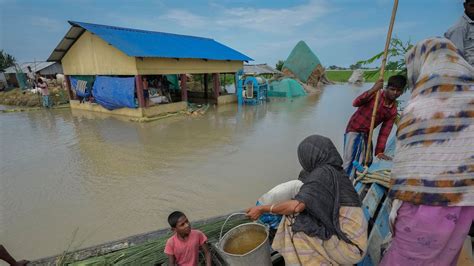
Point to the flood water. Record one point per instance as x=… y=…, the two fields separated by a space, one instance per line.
x=109 y=178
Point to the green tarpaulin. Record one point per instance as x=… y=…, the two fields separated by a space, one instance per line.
x=301 y=61
x=286 y=88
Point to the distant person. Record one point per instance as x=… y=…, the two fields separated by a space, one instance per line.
x=357 y=131
x=5 y=256
x=43 y=86
x=462 y=33
x=146 y=92
x=183 y=247
x=432 y=180
x=31 y=77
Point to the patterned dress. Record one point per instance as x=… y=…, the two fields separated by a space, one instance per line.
x=434 y=160
x=301 y=249
x=433 y=172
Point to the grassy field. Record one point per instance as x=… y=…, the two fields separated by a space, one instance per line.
x=344 y=75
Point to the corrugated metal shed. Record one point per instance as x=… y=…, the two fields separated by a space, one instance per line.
x=141 y=43
x=35 y=67
x=53 y=69
x=260 y=69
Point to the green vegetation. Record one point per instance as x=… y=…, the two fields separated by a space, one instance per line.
x=6 y=60
x=395 y=59
x=279 y=65
x=19 y=97
x=151 y=252
x=395 y=64
x=344 y=75
x=338 y=75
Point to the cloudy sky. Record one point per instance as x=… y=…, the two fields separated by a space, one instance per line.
x=340 y=32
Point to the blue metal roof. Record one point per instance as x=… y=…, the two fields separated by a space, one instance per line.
x=141 y=43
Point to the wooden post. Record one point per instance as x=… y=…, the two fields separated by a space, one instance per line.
x=223 y=84
x=368 y=152
x=217 y=85
x=205 y=86
x=184 y=89
x=68 y=87
x=139 y=90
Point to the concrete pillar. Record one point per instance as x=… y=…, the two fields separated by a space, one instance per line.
x=139 y=90
x=184 y=88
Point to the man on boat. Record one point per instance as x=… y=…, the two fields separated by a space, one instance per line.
x=462 y=33
x=357 y=131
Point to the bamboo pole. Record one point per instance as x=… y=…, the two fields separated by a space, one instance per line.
x=382 y=71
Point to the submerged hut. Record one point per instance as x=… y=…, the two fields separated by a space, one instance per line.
x=119 y=70
x=304 y=65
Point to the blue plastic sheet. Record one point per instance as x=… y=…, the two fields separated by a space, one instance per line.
x=81 y=92
x=114 y=93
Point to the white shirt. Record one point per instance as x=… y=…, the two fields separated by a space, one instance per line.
x=462 y=35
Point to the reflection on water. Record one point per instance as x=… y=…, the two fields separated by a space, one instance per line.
x=112 y=178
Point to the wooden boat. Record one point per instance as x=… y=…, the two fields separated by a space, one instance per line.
x=147 y=248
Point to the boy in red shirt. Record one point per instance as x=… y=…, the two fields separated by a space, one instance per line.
x=357 y=131
x=183 y=247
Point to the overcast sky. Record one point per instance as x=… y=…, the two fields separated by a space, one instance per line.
x=340 y=32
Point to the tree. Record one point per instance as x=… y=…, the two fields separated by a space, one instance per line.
x=355 y=66
x=6 y=60
x=279 y=65
x=333 y=67
x=395 y=58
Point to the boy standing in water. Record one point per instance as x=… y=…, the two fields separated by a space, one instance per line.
x=357 y=131
x=44 y=92
x=183 y=247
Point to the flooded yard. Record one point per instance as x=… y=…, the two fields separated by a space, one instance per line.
x=109 y=178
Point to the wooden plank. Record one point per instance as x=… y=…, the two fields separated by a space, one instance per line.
x=372 y=200
x=112 y=246
x=139 y=90
x=379 y=233
x=72 y=96
x=206 y=96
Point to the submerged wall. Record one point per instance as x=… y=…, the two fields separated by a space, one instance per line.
x=151 y=111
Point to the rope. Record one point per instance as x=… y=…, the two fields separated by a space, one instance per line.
x=382 y=71
x=381 y=177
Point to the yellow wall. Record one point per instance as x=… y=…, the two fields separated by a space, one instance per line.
x=90 y=55
x=150 y=66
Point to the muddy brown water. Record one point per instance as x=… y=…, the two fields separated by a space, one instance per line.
x=107 y=178
x=244 y=242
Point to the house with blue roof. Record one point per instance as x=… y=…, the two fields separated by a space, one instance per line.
x=142 y=73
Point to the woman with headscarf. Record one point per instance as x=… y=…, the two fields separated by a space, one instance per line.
x=433 y=173
x=324 y=224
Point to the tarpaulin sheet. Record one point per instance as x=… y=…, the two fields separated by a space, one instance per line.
x=114 y=93
x=82 y=91
x=302 y=61
x=286 y=88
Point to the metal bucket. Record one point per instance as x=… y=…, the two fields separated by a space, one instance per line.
x=258 y=255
